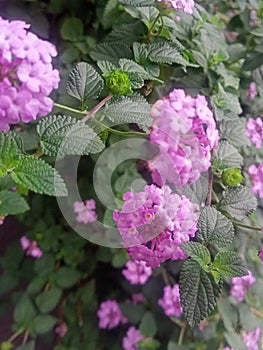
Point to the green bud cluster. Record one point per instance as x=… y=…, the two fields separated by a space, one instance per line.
x=118 y=82
x=232 y=177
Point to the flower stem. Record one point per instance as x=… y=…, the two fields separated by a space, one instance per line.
x=149 y=35
x=58 y=105
x=210 y=189
x=94 y=110
x=15 y=335
x=182 y=333
x=237 y=223
x=119 y=132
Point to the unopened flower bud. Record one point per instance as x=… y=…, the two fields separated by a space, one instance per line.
x=118 y=82
x=232 y=177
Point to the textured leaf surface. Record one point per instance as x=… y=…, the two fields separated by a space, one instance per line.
x=84 y=83
x=214 y=228
x=198 y=292
x=228 y=155
x=111 y=52
x=64 y=135
x=39 y=177
x=239 y=202
x=165 y=53
x=197 y=252
x=137 y=3
x=12 y=203
x=11 y=147
x=235 y=132
x=229 y=264
x=126 y=33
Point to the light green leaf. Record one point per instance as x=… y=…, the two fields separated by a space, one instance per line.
x=198 y=292
x=228 y=155
x=64 y=135
x=38 y=176
x=111 y=52
x=214 y=228
x=126 y=33
x=24 y=312
x=229 y=264
x=106 y=66
x=197 y=252
x=44 y=323
x=239 y=202
x=48 y=300
x=11 y=147
x=84 y=83
x=165 y=53
x=72 y=29
x=235 y=132
x=12 y=203
x=148 y=325
x=235 y=341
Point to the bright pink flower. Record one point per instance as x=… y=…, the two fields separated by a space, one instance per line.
x=251 y=339
x=256 y=178
x=85 y=211
x=170 y=302
x=30 y=247
x=260 y=255
x=185 y=132
x=252 y=90
x=132 y=338
x=254 y=131
x=240 y=286
x=27 y=76
x=184 y=5
x=137 y=272
x=110 y=315
x=173 y=220
x=61 y=330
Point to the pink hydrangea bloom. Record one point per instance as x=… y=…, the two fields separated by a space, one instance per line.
x=27 y=76
x=30 y=247
x=240 y=286
x=110 y=315
x=228 y=348
x=61 y=329
x=136 y=272
x=260 y=255
x=252 y=90
x=251 y=339
x=254 y=131
x=132 y=338
x=170 y=302
x=185 y=131
x=153 y=224
x=256 y=178
x=85 y=211
x=184 y=5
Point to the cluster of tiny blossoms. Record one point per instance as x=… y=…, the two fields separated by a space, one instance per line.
x=170 y=302
x=251 y=339
x=27 y=76
x=136 y=272
x=154 y=222
x=254 y=131
x=110 y=315
x=185 y=131
x=132 y=338
x=256 y=178
x=184 y=5
x=240 y=286
x=30 y=247
x=85 y=211
x=252 y=90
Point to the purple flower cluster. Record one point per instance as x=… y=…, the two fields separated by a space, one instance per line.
x=170 y=302
x=132 y=338
x=252 y=90
x=254 y=131
x=27 y=76
x=260 y=255
x=136 y=272
x=256 y=178
x=185 y=132
x=240 y=286
x=30 y=247
x=85 y=211
x=184 y=5
x=110 y=315
x=154 y=222
x=251 y=339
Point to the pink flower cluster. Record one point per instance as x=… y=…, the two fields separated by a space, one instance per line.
x=110 y=315
x=260 y=255
x=240 y=286
x=27 y=76
x=185 y=5
x=132 y=338
x=170 y=302
x=136 y=272
x=254 y=131
x=85 y=211
x=256 y=178
x=252 y=90
x=185 y=132
x=251 y=339
x=30 y=247
x=153 y=224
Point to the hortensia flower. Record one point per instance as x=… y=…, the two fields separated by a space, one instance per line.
x=241 y=285
x=110 y=315
x=256 y=178
x=30 y=247
x=254 y=131
x=185 y=132
x=27 y=76
x=251 y=339
x=184 y=5
x=132 y=339
x=136 y=272
x=170 y=302
x=154 y=222
x=85 y=211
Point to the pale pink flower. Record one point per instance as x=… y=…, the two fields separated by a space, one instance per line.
x=256 y=177
x=110 y=315
x=136 y=272
x=170 y=302
x=251 y=339
x=86 y=211
x=254 y=131
x=241 y=285
x=30 y=247
x=252 y=90
x=132 y=338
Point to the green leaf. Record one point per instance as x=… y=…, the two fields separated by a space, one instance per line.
x=133 y=67
x=67 y=277
x=252 y=62
x=229 y=264
x=111 y=52
x=11 y=147
x=28 y=346
x=126 y=33
x=12 y=203
x=228 y=155
x=148 y=325
x=38 y=176
x=106 y=66
x=165 y=53
x=197 y=252
x=228 y=313
x=44 y=323
x=198 y=292
x=235 y=341
x=235 y=132
x=125 y=110
x=24 y=312
x=214 y=228
x=227 y=100
x=72 y=29
x=239 y=202
x=84 y=83
x=48 y=300
x=64 y=135
x=137 y=3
